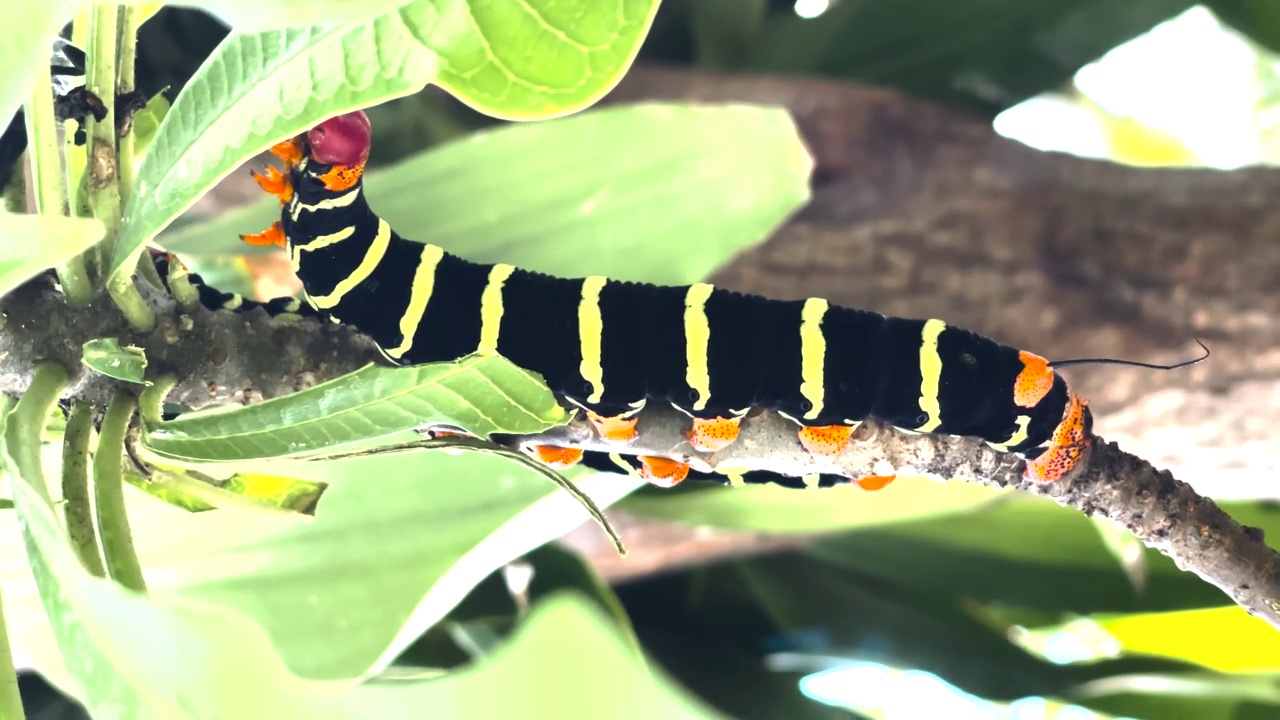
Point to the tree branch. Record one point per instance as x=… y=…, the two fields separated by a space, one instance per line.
x=219 y=357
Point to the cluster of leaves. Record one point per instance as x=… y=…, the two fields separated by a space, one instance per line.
x=261 y=614
x=387 y=601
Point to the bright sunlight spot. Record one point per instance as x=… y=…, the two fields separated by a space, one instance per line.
x=811 y=8
x=1189 y=92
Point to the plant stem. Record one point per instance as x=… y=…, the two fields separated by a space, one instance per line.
x=25 y=425
x=104 y=161
x=130 y=18
x=108 y=487
x=151 y=403
x=75 y=487
x=48 y=181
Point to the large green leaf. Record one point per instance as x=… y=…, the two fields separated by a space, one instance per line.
x=255 y=15
x=767 y=508
x=25 y=41
x=566 y=662
x=1024 y=551
x=259 y=88
x=32 y=243
x=480 y=394
x=130 y=655
x=397 y=541
x=659 y=193
x=124 y=655
x=985 y=54
x=535 y=58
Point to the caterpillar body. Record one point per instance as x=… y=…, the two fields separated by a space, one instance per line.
x=611 y=347
x=172 y=272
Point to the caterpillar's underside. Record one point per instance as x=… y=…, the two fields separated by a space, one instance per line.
x=610 y=348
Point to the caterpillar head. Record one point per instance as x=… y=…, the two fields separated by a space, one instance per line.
x=341 y=140
x=336 y=152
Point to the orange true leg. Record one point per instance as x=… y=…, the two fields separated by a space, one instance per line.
x=275 y=183
x=713 y=435
x=827 y=440
x=273 y=235
x=287 y=150
x=662 y=472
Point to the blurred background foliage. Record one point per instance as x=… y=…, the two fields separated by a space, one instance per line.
x=920 y=601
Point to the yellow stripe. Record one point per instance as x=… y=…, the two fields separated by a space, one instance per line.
x=424 y=283
x=697 y=339
x=813 y=354
x=591 y=335
x=491 y=309
x=296 y=207
x=1019 y=435
x=321 y=241
x=930 y=374
x=377 y=249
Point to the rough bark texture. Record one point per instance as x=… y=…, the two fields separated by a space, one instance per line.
x=221 y=357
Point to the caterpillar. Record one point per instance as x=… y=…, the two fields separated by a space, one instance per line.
x=610 y=347
x=173 y=272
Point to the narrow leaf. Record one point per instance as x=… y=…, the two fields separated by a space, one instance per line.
x=30 y=244
x=482 y=395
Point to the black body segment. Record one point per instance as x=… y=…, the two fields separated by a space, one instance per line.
x=610 y=346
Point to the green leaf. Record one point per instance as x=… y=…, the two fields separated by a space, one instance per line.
x=1023 y=551
x=104 y=355
x=566 y=661
x=255 y=15
x=658 y=193
x=257 y=89
x=987 y=55
x=121 y=650
x=146 y=122
x=536 y=58
x=30 y=244
x=482 y=395
x=397 y=541
x=171 y=493
x=25 y=43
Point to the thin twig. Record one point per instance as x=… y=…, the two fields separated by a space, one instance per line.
x=75 y=487
x=108 y=489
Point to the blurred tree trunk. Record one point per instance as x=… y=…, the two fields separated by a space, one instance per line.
x=921 y=210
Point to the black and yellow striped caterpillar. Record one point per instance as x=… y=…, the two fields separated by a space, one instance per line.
x=610 y=347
